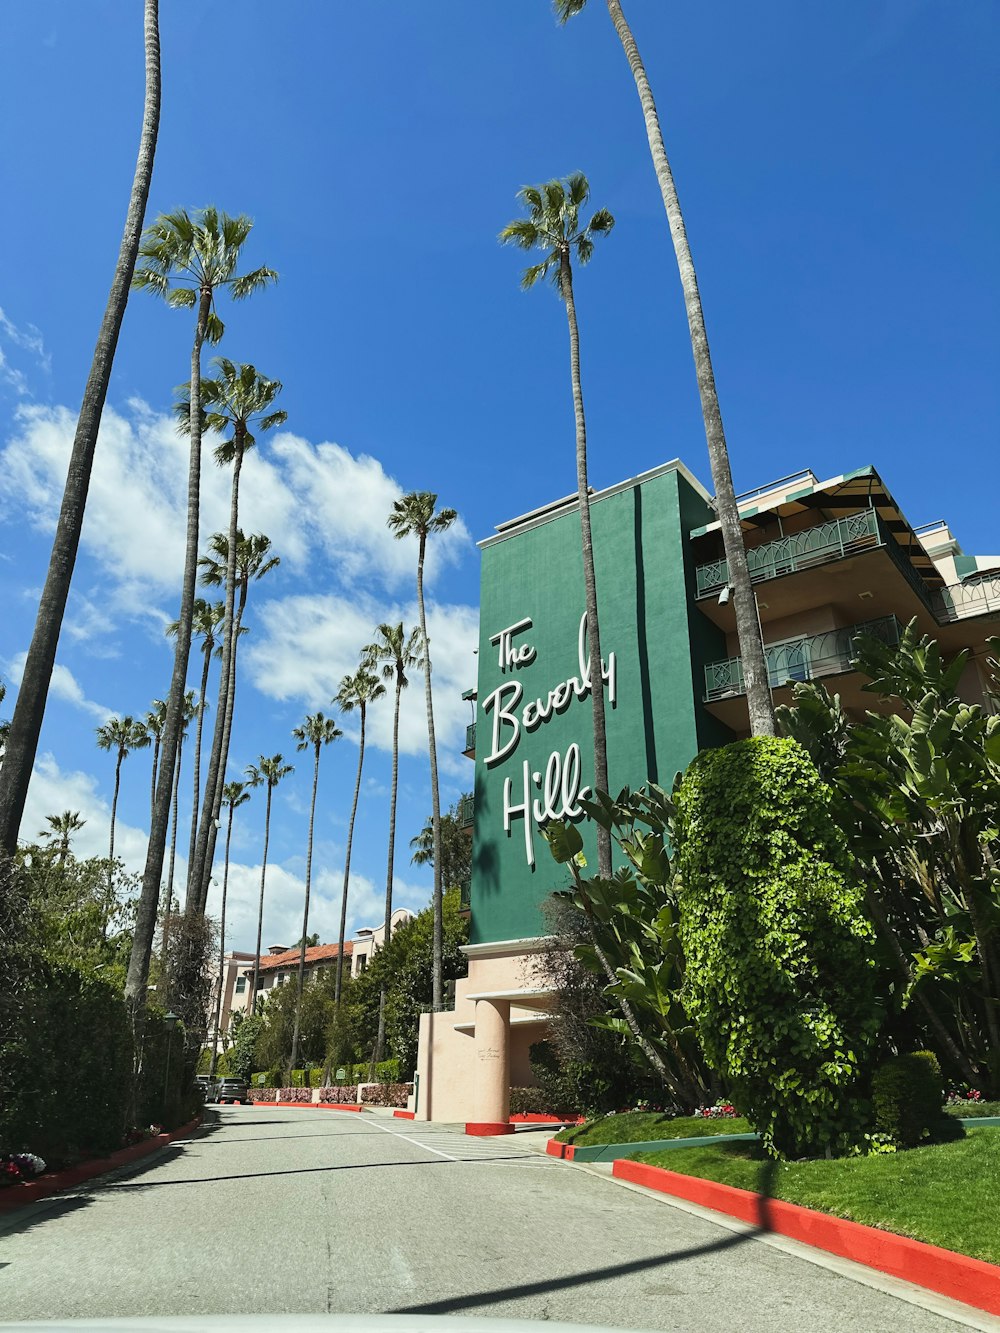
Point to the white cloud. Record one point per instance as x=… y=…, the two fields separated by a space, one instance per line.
x=28 y=340
x=346 y=501
x=64 y=686
x=308 y=642
x=52 y=791
x=308 y=499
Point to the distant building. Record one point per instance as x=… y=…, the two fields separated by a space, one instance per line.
x=281 y=964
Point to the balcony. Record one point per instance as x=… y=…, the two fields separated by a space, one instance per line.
x=808 y=658
x=470 y=741
x=977 y=596
x=815 y=546
x=466 y=812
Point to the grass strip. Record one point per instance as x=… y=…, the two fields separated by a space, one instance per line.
x=646 y=1126
x=945 y=1193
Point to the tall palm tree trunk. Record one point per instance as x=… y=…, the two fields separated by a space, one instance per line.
x=114 y=813
x=22 y=738
x=589 y=576
x=198 y=873
x=193 y=841
x=220 y=782
x=380 y=1041
x=222 y=948
x=755 y=677
x=173 y=856
x=145 y=922
x=347 y=865
x=305 y=918
x=437 y=985
x=260 y=909
x=152 y=781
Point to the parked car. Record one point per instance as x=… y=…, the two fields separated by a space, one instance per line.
x=233 y=1090
x=208 y=1086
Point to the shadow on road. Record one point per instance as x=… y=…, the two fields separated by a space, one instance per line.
x=452 y=1304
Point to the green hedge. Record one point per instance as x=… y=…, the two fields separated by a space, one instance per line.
x=70 y=1084
x=779 y=953
x=907 y=1093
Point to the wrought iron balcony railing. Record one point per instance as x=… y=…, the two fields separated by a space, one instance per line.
x=977 y=596
x=466 y=812
x=470 y=739
x=814 y=546
x=807 y=658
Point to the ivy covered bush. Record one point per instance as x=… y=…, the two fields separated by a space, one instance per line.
x=344 y=1096
x=779 y=967
x=295 y=1094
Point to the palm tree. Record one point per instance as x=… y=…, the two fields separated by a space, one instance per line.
x=205 y=620
x=235 y=402
x=748 y=632
x=22 y=740
x=355 y=692
x=234 y=795
x=187 y=259
x=122 y=735
x=253 y=560
x=269 y=773
x=398 y=653
x=314 y=733
x=62 y=827
x=414 y=515
x=153 y=722
x=553 y=227
x=191 y=711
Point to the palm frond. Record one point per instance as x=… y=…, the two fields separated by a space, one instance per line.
x=248 y=283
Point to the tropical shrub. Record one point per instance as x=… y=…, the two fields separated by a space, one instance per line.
x=779 y=967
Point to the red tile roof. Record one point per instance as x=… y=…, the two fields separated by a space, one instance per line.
x=319 y=953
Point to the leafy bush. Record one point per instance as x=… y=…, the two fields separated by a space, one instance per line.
x=386 y=1094
x=532 y=1101
x=907 y=1093
x=387 y=1071
x=300 y=1078
x=262 y=1094
x=779 y=975
x=316 y=1078
x=346 y=1095
x=295 y=1094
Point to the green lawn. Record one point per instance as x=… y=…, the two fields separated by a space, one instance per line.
x=645 y=1126
x=946 y=1193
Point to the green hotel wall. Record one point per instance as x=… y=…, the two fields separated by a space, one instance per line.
x=661 y=640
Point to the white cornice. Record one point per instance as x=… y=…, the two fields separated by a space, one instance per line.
x=500 y=948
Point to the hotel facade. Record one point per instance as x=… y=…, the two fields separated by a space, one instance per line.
x=830 y=560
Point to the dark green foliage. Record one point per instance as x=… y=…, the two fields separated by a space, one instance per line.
x=779 y=976
x=907 y=1092
x=456 y=847
x=245 y=1031
x=534 y=1101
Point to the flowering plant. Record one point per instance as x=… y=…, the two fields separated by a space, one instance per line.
x=18 y=1166
x=721 y=1111
x=957 y=1098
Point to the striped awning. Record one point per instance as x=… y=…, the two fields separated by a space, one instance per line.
x=837 y=498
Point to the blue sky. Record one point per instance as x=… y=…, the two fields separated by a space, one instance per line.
x=838 y=171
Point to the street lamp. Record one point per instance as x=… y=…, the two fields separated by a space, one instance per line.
x=170 y=1021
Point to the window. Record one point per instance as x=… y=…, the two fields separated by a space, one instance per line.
x=362 y=962
x=241 y=985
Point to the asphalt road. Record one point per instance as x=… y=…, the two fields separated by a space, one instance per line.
x=288 y=1211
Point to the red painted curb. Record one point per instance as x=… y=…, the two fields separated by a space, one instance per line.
x=482 y=1128
x=971 y=1281
x=313 y=1106
x=530 y=1118
x=555 y=1149
x=15 y=1196
x=405 y=1115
